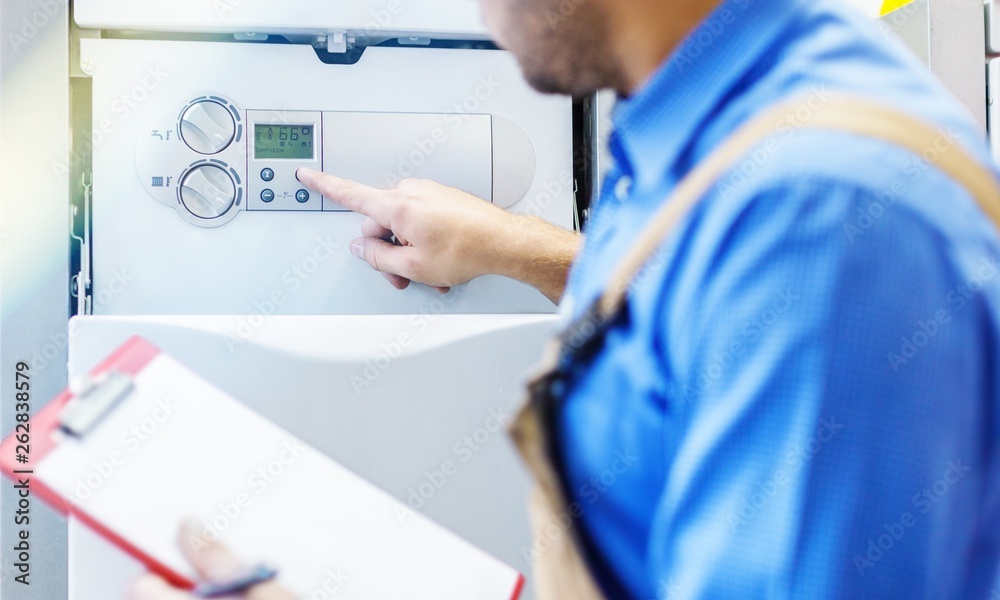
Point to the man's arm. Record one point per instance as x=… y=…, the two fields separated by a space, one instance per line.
x=445 y=237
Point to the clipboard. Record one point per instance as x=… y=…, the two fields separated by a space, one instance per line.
x=146 y=442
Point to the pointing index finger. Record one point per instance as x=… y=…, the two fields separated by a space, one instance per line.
x=351 y=195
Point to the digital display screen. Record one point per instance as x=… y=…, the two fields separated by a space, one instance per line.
x=283 y=141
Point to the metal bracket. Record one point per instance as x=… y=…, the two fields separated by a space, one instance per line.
x=338 y=42
x=80 y=286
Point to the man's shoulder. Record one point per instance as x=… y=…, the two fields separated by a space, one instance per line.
x=803 y=164
x=815 y=74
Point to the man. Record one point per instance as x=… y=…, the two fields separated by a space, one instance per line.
x=806 y=381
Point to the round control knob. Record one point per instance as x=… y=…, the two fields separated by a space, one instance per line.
x=207 y=127
x=208 y=192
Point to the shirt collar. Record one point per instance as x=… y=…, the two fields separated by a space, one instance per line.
x=655 y=125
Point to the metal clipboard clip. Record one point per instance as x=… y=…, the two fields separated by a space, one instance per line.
x=93 y=398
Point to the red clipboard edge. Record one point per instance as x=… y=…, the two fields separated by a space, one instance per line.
x=518 y=587
x=130 y=358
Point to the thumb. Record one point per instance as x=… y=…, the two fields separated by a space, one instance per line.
x=384 y=256
x=211 y=559
x=217 y=564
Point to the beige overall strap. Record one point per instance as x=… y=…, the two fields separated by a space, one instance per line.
x=560 y=570
x=844 y=114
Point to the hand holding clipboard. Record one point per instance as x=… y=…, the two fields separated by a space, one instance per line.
x=224 y=574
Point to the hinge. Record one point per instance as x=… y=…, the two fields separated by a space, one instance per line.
x=80 y=285
x=250 y=37
x=414 y=41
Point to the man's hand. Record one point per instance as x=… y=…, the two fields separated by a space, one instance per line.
x=215 y=563
x=445 y=237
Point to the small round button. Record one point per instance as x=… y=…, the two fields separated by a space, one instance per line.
x=302 y=196
x=267 y=174
x=267 y=195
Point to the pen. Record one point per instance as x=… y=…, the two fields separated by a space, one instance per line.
x=257 y=575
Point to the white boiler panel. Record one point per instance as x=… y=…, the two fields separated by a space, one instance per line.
x=193 y=229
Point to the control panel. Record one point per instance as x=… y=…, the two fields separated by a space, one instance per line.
x=194 y=159
x=210 y=159
x=280 y=144
x=197 y=182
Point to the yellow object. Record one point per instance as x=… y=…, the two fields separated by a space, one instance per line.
x=890 y=5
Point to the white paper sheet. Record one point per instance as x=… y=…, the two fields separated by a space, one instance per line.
x=179 y=448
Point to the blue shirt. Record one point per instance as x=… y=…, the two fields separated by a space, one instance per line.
x=802 y=400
